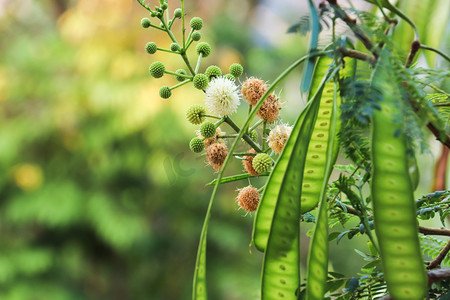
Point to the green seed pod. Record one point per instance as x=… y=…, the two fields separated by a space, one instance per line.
x=164 y=6
x=200 y=81
x=196 y=145
x=165 y=92
x=196 y=23
x=230 y=77
x=213 y=71
x=203 y=48
x=236 y=70
x=157 y=69
x=175 y=47
x=262 y=163
x=145 y=22
x=178 y=13
x=182 y=72
x=151 y=48
x=208 y=129
x=195 y=114
x=196 y=36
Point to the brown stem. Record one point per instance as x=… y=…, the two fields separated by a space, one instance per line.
x=415 y=46
x=358 y=55
x=436 y=263
x=434 y=231
x=438 y=275
x=440 y=170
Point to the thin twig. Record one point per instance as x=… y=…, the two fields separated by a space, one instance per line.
x=434 y=231
x=358 y=55
x=436 y=263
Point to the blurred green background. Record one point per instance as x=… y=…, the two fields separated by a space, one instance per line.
x=100 y=197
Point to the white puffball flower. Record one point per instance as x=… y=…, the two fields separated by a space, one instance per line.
x=278 y=136
x=222 y=97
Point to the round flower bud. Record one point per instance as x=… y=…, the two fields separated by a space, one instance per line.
x=229 y=77
x=145 y=22
x=182 y=72
x=153 y=14
x=247 y=162
x=151 y=47
x=236 y=70
x=196 y=36
x=196 y=23
x=253 y=89
x=208 y=129
x=162 y=25
x=200 y=81
x=195 y=114
x=157 y=69
x=164 y=6
x=196 y=145
x=174 y=47
x=269 y=110
x=165 y=92
x=248 y=198
x=203 y=48
x=253 y=136
x=216 y=155
x=178 y=13
x=262 y=163
x=213 y=71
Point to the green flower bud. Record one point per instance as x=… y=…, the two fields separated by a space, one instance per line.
x=180 y=78
x=203 y=48
x=195 y=114
x=178 y=13
x=253 y=135
x=164 y=6
x=157 y=69
x=174 y=47
x=196 y=36
x=208 y=130
x=165 y=92
x=236 y=70
x=145 y=22
x=153 y=14
x=200 y=81
x=213 y=71
x=151 y=47
x=161 y=25
x=196 y=145
x=196 y=23
x=262 y=163
x=230 y=77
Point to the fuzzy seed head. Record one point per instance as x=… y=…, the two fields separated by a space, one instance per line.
x=196 y=145
x=212 y=140
x=196 y=36
x=236 y=70
x=165 y=92
x=216 y=155
x=181 y=72
x=278 y=137
x=248 y=198
x=270 y=109
x=151 y=48
x=157 y=69
x=195 y=114
x=174 y=47
x=196 y=23
x=145 y=22
x=247 y=162
x=178 y=13
x=200 y=81
x=253 y=89
x=213 y=71
x=262 y=163
x=204 y=48
x=222 y=97
x=208 y=130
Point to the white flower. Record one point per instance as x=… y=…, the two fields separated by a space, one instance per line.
x=222 y=96
x=278 y=137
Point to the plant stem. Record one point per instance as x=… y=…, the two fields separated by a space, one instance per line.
x=177 y=74
x=244 y=136
x=435 y=263
x=180 y=84
x=445 y=56
x=198 y=62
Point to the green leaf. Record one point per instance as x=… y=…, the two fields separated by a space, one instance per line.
x=315 y=25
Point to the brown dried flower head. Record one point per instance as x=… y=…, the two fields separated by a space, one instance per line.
x=270 y=109
x=247 y=162
x=216 y=154
x=278 y=136
x=253 y=89
x=248 y=198
x=212 y=140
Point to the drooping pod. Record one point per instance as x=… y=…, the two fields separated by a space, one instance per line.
x=392 y=192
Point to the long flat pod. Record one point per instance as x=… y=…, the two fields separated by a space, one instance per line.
x=317 y=269
x=392 y=193
x=281 y=269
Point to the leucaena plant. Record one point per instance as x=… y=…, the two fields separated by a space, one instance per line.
x=365 y=102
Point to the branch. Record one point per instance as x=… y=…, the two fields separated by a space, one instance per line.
x=358 y=55
x=434 y=231
x=436 y=263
